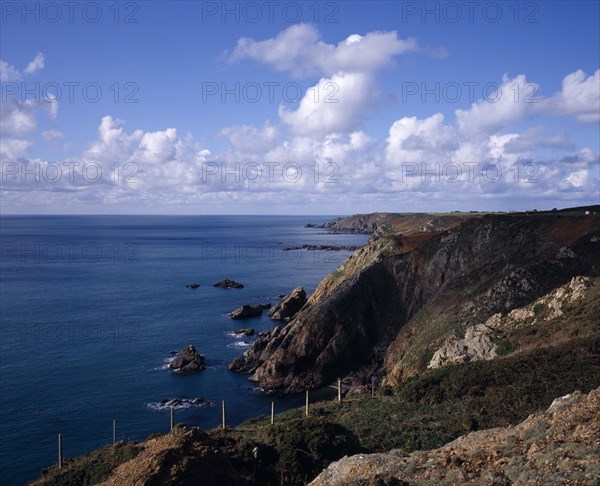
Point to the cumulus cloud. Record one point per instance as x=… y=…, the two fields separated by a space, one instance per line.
x=300 y=51
x=513 y=101
x=413 y=140
x=579 y=97
x=247 y=139
x=349 y=97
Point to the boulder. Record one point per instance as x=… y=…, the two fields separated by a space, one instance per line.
x=192 y=286
x=188 y=361
x=228 y=284
x=289 y=306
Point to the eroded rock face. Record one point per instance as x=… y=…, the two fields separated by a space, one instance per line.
x=188 y=361
x=289 y=306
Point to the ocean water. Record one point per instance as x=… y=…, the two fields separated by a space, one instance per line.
x=93 y=306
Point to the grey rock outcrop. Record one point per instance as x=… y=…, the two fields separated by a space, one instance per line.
x=188 y=361
x=247 y=311
x=289 y=306
x=477 y=345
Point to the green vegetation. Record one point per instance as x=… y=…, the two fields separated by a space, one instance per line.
x=93 y=467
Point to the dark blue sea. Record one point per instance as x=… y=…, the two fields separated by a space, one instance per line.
x=93 y=306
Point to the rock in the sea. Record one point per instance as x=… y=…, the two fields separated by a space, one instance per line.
x=188 y=361
x=246 y=332
x=246 y=311
x=289 y=306
x=229 y=284
x=192 y=286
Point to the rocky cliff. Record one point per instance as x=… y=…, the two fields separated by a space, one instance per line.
x=393 y=303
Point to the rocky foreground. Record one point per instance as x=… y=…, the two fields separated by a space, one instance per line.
x=559 y=446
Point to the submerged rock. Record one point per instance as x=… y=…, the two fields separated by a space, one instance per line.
x=192 y=286
x=188 y=361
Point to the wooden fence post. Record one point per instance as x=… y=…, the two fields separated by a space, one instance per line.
x=272 y=413
x=306 y=408
x=339 y=389
x=114 y=431
x=172 y=417
x=60 y=452
x=224 y=416
x=372 y=386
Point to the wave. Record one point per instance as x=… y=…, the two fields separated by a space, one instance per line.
x=167 y=362
x=240 y=344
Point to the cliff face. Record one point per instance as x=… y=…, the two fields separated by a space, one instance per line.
x=394 y=301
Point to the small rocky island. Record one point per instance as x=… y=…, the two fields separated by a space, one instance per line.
x=228 y=284
x=188 y=361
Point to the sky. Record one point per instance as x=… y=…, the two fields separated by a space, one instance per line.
x=278 y=107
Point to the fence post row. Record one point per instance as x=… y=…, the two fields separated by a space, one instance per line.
x=224 y=417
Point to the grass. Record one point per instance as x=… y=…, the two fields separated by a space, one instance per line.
x=93 y=467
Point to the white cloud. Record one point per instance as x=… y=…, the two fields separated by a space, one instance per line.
x=513 y=101
x=36 y=64
x=300 y=51
x=414 y=140
x=8 y=73
x=579 y=97
x=351 y=94
x=249 y=139
x=12 y=149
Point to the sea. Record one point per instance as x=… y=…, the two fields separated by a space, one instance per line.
x=92 y=309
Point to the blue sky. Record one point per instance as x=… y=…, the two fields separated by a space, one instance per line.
x=211 y=107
